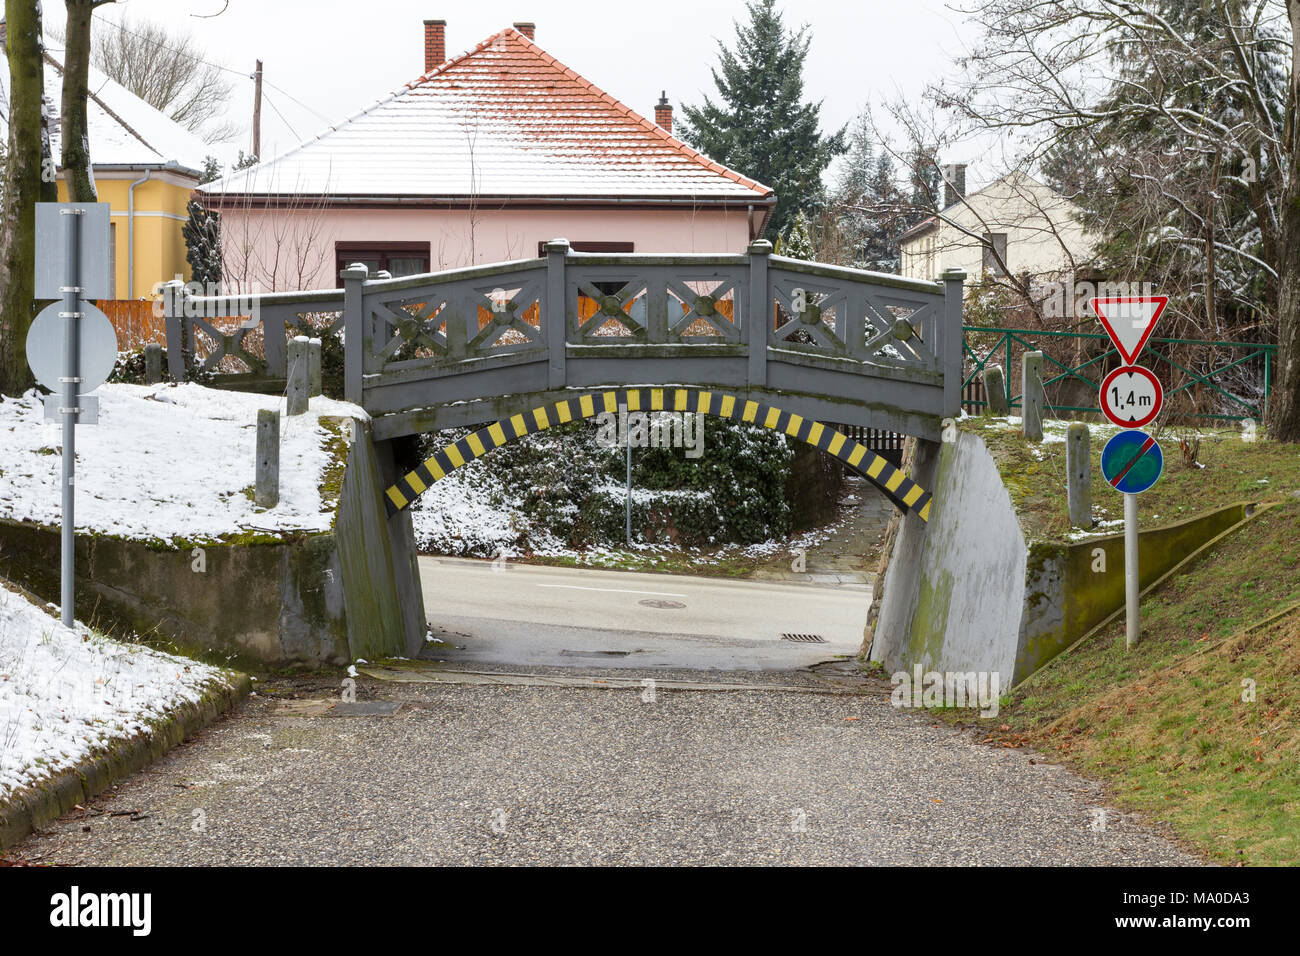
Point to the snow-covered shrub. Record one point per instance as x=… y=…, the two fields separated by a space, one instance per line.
x=560 y=489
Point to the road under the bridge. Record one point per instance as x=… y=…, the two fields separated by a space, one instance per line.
x=508 y=613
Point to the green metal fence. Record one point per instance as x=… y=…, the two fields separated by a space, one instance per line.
x=1252 y=361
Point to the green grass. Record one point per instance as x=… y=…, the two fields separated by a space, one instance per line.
x=1234 y=471
x=1165 y=723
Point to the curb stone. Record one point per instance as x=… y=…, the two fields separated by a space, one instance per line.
x=47 y=800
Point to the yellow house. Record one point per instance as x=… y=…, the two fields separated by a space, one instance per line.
x=145 y=167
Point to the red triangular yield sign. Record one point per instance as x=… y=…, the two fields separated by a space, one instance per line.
x=1130 y=320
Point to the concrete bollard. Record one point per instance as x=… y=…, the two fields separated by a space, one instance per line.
x=995 y=391
x=266 y=487
x=1031 y=394
x=1078 y=474
x=296 y=388
x=152 y=363
x=313 y=368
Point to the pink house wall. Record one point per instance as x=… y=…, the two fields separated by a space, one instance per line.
x=287 y=248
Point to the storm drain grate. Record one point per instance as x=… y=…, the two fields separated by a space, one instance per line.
x=804 y=638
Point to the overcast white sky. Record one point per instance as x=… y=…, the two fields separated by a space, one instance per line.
x=337 y=56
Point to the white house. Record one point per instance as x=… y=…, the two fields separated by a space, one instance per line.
x=1033 y=229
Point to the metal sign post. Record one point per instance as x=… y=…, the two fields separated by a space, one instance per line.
x=1132 y=581
x=71 y=346
x=1131 y=462
x=70 y=382
x=1131 y=397
x=627 y=506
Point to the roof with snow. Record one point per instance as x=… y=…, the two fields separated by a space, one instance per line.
x=504 y=120
x=124 y=130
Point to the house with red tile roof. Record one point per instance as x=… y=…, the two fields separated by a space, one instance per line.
x=481 y=159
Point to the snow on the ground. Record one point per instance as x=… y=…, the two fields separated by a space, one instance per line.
x=166 y=461
x=65 y=694
x=470 y=513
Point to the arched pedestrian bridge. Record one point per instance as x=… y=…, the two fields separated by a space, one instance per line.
x=519 y=346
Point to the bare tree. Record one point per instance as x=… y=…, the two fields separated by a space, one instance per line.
x=165 y=68
x=1185 y=113
x=74 y=135
x=28 y=179
x=282 y=243
x=1284 y=420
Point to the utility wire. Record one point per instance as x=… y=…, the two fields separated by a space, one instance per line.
x=279 y=114
x=309 y=109
x=226 y=69
x=191 y=56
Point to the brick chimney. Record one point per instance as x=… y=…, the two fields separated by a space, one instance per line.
x=664 y=113
x=954 y=184
x=527 y=28
x=435 y=44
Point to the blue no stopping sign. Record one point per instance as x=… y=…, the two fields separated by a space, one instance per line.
x=1132 y=462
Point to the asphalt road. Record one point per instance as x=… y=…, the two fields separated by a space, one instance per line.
x=529 y=775
x=785 y=765
x=526 y=614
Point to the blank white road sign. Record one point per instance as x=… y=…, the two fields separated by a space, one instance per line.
x=51 y=250
x=97 y=351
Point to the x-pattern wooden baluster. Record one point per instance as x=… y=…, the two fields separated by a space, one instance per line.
x=826 y=299
x=902 y=334
x=703 y=306
x=507 y=315
x=612 y=307
x=416 y=330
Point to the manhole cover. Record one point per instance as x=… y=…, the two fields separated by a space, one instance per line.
x=653 y=602
x=804 y=638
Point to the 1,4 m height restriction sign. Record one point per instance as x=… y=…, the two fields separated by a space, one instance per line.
x=1131 y=396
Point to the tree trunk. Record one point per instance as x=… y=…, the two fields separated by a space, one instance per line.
x=24 y=187
x=76 y=72
x=1284 y=403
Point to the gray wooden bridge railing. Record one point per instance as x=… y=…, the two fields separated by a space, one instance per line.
x=472 y=345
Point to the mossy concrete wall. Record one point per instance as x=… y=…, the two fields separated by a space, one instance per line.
x=968 y=592
x=381 y=580
x=1071 y=588
x=274 y=601
x=309 y=599
x=954 y=586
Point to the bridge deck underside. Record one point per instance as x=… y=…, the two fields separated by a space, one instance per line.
x=817 y=388
x=581 y=405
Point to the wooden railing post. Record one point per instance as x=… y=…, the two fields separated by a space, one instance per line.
x=1032 y=396
x=297 y=389
x=355 y=334
x=948 y=349
x=758 y=320
x=275 y=347
x=995 y=392
x=173 y=294
x=555 y=323
x=1078 y=475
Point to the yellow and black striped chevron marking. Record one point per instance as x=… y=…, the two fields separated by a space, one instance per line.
x=904 y=492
